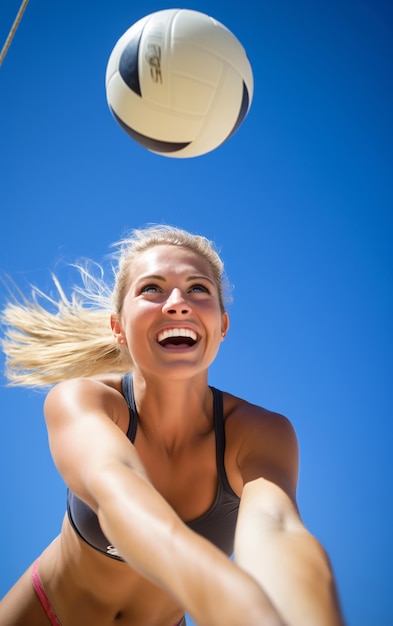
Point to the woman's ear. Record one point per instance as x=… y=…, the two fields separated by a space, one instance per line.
x=117 y=330
x=224 y=325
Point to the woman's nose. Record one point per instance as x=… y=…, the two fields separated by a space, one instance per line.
x=176 y=303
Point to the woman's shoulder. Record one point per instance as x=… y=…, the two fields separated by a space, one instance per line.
x=248 y=425
x=86 y=394
x=242 y=413
x=260 y=442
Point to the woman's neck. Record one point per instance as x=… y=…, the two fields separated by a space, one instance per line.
x=173 y=411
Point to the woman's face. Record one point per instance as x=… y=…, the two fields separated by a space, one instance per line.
x=171 y=317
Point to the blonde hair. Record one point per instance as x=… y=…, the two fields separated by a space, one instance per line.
x=74 y=339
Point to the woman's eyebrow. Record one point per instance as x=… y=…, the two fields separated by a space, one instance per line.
x=188 y=279
x=150 y=277
x=199 y=277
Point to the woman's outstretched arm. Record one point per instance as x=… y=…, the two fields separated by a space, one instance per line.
x=271 y=542
x=157 y=544
x=103 y=468
x=273 y=546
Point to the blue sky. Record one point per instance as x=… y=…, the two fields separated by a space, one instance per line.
x=300 y=203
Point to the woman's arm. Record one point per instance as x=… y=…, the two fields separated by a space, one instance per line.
x=271 y=542
x=103 y=468
x=274 y=547
x=156 y=543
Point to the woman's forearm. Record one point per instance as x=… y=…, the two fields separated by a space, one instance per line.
x=274 y=547
x=154 y=541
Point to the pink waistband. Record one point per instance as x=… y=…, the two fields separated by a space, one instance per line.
x=43 y=598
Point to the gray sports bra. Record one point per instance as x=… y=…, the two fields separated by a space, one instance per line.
x=217 y=524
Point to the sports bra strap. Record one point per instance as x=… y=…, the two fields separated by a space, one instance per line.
x=128 y=392
x=219 y=427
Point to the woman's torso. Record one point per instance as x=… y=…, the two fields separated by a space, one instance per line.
x=86 y=586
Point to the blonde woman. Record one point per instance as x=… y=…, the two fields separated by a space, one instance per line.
x=166 y=475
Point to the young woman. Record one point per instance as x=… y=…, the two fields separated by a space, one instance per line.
x=165 y=474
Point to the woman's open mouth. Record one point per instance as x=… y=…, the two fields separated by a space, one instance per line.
x=175 y=337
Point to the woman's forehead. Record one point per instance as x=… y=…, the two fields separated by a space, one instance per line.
x=166 y=258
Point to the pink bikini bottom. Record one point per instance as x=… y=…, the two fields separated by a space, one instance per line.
x=43 y=598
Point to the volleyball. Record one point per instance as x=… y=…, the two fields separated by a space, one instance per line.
x=179 y=83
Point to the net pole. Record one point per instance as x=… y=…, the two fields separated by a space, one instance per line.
x=13 y=30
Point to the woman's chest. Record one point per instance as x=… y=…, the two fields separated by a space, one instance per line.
x=187 y=479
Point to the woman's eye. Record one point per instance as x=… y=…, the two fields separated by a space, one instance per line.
x=149 y=289
x=199 y=289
